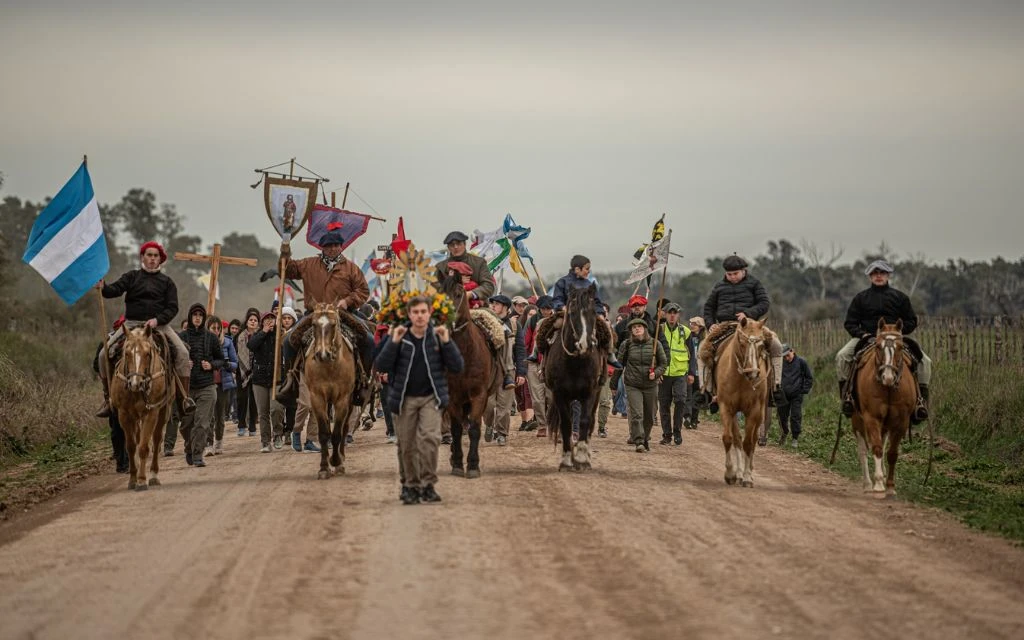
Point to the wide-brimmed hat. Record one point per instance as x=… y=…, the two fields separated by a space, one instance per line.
x=878 y=265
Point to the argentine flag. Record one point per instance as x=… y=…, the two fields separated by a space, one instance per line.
x=66 y=245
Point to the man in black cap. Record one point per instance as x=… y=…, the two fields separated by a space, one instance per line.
x=456 y=243
x=879 y=301
x=737 y=296
x=513 y=359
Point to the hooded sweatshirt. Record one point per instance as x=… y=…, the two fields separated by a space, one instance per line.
x=202 y=345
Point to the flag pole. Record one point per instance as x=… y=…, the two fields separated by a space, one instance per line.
x=539 y=279
x=277 y=326
x=661 y=297
x=99 y=298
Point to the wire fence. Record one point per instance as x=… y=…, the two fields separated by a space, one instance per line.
x=987 y=342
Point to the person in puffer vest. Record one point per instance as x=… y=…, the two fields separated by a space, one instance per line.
x=206 y=356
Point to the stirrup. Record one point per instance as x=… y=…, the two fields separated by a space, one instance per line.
x=105 y=411
x=188 y=406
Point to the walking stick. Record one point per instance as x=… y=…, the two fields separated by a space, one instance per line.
x=839 y=433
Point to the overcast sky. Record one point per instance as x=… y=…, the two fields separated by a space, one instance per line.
x=743 y=121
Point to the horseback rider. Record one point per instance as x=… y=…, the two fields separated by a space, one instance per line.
x=737 y=296
x=150 y=298
x=328 y=277
x=880 y=300
x=480 y=275
x=579 y=278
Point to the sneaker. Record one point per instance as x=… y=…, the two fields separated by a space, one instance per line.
x=647 y=445
x=522 y=425
x=380 y=413
x=640 y=448
x=793 y=444
x=666 y=440
x=531 y=425
x=311 y=447
x=208 y=451
x=241 y=432
x=677 y=440
x=445 y=439
x=188 y=458
x=501 y=441
x=602 y=433
x=218 y=447
x=252 y=434
x=198 y=462
x=297 y=442
x=391 y=439
x=168 y=453
x=265 y=449
x=429 y=495
x=410 y=495
x=278 y=442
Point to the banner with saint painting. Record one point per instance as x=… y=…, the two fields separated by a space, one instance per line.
x=289 y=203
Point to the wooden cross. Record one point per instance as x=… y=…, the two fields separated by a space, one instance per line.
x=215 y=260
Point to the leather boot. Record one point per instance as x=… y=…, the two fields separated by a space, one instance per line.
x=847 y=400
x=186 y=405
x=921 y=411
x=105 y=410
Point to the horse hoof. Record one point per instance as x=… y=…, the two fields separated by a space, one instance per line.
x=141 y=487
x=761 y=442
x=748 y=483
x=473 y=473
x=730 y=481
x=459 y=471
x=132 y=484
x=336 y=471
x=323 y=475
x=154 y=482
x=565 y=467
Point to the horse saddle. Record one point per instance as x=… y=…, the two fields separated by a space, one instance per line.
x=115 y=344
x=492 y=327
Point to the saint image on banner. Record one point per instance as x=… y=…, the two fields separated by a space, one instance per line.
x=288 y=204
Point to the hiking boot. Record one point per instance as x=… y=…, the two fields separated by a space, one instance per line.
x=297 y=442
x=847 y=400
x=198 y=462
x=602 y=432
x=278 y=442
x=188 y=458
x=429 y=495
x=218 y=447
x=921 y=410
x=779 y=397
x=311 y=447
x=501 y=441
x=782 y=440
x=105 y=410
x=509 y=382
x=677 y=438
x=410 y=495
x=522 y=425
x=445 y=439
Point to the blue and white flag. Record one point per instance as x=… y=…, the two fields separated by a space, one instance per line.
x=67 y=245
x=517 y=234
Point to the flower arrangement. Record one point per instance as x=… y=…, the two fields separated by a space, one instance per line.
x=393 y=310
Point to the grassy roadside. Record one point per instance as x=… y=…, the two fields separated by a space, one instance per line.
x=978 y=466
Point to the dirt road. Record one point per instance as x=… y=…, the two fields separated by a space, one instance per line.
x=644 y=546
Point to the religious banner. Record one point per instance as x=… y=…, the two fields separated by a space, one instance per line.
x=653 y=258
x=289 y=203
x=349 y=224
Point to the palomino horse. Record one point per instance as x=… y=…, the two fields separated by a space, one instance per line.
x=142 y=392
x=469 y=390
x=330 y=372
x=741 y=377
x=573 y=366
x=886 y=396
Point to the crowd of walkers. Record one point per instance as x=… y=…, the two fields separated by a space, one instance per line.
x=661 y=371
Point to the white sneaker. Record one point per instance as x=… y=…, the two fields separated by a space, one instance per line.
x=265 y=449
x=218 y=447
x=208 y=451
x=392 y=439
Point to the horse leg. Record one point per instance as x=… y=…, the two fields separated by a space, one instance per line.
x=456 y=447
x=131 y=430
x=581 y=450
x=752 y=431
x=730 y=431
x=318 y=407
x=564 y=409
x=341 y=419
x=862 y=450
x=473 y=457
x=142 y=449
x=157 y=439
x=892 y=453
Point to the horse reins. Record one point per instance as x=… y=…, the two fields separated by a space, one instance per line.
x=887 y=344
x=147 y=377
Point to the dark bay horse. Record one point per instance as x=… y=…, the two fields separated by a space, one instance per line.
x=330 y=377
x=886 y=396
x=742 y=377
x=574 y=364
x=142 y=392
x=469 y=390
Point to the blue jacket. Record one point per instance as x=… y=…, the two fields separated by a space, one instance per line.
x=396 y=360
x=227 y=374
x=797 y=378
x=569 y=281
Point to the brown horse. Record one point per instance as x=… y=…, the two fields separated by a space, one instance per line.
x=330 y=373
x=142 y=392
x=469 y=390
x=574 y=364
x=742 y=378
x=886 y=396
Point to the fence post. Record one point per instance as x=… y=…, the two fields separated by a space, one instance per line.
x=954 y=347
x=997 y=339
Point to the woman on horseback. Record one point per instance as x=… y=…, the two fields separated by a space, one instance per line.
x=150 y=298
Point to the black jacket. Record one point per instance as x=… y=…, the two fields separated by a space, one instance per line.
x=146 y=295
x=727 y=299
x=518 y=345
x=797 y=378
x=396 y=360
x=202 y=345
x=622 y=331
x=879 y=302
x=261 y=350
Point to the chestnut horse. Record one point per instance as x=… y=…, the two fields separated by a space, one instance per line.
x=142 y=392
x=330 y=372
x=742 y=378
x=886 y=396
x=574 y=365
x=469 y=390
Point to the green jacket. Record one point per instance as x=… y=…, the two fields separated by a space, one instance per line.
x=481 y=274
x=636 y=359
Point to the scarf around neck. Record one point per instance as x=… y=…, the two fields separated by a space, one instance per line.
x=330 y=264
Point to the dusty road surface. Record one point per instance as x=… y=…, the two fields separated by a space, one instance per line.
x=645 y=546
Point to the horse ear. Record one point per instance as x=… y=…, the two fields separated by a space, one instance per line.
x=899 y=325
x=881 y=323
x=592 y=289
x=743 y=322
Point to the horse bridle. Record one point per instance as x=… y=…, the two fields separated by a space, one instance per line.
x=147 y=377
x=576 y=335
x=320 y=331
x=887 y=344
x=752 y=356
